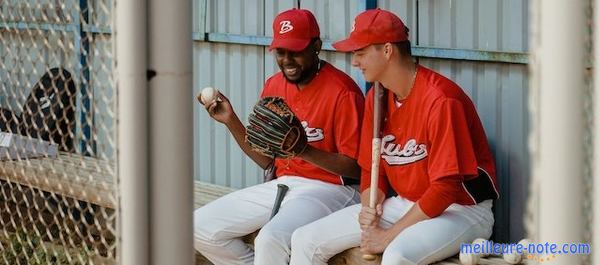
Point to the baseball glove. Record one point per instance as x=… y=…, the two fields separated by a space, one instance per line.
x=274 y=130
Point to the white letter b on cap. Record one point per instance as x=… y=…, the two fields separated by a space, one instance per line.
x=286 y=26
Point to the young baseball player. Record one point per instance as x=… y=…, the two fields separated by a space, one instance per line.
x=330 y=106
x=435 y=156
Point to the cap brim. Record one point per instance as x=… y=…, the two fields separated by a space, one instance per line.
x=295 y=45
x=349 y=45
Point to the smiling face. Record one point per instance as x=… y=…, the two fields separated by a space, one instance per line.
x=299 y=67
x=371 y=61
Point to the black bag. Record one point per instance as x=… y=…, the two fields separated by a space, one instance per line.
x=49 y=111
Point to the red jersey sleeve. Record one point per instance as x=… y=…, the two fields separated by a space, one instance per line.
x=451 y=150
x=348 y=119
x=366 y=148
x=440 y=194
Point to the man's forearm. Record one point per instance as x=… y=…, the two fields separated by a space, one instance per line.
x=413 y=216
x=333 y=162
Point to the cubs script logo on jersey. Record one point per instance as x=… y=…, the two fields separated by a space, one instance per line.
x=313 y=134
x=286 y=26
x=396 y=154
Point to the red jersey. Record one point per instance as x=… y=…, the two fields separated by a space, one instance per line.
x=330 y=108
x=434 y=135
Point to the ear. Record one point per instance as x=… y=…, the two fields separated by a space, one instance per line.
x=317 y=46
x=388 y=50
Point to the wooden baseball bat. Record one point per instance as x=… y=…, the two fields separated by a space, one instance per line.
x=375 y=152
x=281 y=190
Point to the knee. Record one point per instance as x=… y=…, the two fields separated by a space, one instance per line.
x=304 y=249
x=201 y=236
x=307 y=243
x=200 y=244
x=204 y=235
x=268 y=239
x=301 y=239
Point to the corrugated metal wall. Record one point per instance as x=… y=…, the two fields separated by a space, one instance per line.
x=104 y=95
x=238 y=71
x=499 y=89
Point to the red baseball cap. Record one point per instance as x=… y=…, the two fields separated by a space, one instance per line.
x=294 y=29
x=374 y=26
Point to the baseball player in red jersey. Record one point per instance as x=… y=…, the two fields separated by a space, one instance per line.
x=434 y=155
x=330 y=106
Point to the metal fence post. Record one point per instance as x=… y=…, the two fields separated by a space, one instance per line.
x=559 y=60
x=132 y=130
x=595 y=134
x=171 y=119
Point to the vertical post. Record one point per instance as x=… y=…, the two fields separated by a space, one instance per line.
x=87 y=115
x=132 y=130
x=171 y=119
x=561 y=85
x=368 y=4
x=595 y=135
x=76 y=27
x=202 y=15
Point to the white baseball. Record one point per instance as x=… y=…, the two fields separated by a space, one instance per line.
x=481 y=242
x=208 y=95
x=468 y=258
x=512 y=258
x=525 y=243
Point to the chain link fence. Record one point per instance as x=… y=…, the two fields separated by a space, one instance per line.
x=58 y=189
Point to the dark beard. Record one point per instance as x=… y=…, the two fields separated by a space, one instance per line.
x=306 y=76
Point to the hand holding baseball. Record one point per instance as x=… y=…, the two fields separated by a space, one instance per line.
x=216 y=104
x=208 y=95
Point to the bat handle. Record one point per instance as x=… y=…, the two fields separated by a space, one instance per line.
x=281 y=190
x=376 y=150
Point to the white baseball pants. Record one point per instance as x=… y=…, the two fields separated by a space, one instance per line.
x=422 y=243
x=219 y=225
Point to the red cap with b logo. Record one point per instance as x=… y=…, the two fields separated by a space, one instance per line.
x=375 y=26
x=294 y=29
